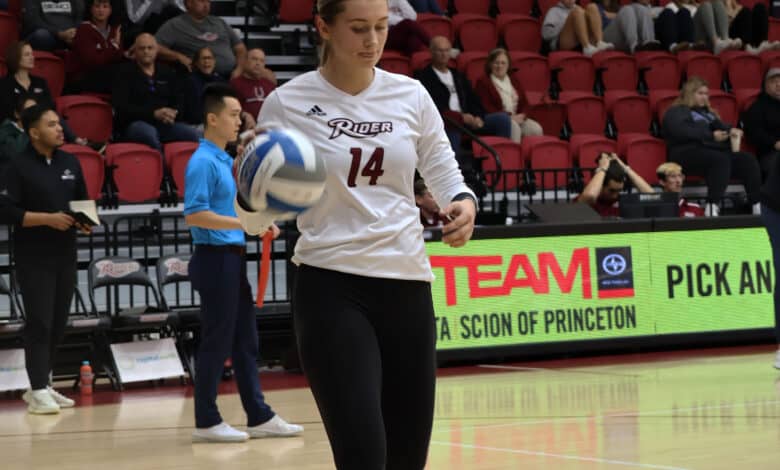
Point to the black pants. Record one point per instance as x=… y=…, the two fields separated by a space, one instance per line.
x=672 y=28
x=368 y=349
x=751 y=26
x=718 y=167
x=47 y=290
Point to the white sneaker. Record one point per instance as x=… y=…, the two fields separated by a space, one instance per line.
x=275 y=427
x=711 y=210
x=757 y=208
x=604 y=46
x=40 y=402
x=777 y=360
x=60 y=399
x=589 y=50
x=736 y=43
x=720 y=46
x=754 y=50
x=222 y=432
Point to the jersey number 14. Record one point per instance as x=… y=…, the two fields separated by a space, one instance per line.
x=372 y=169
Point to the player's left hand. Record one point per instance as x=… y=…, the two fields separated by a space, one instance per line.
x=461 y=215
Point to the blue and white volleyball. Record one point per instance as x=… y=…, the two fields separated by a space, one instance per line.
x=281 y=174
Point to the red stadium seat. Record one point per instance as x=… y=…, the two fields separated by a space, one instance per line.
x=52 y=69
x=519 y=7
x=643 y=153
x=531 y=71
x=444 y=5
x=520 y=32
x=472 y=64
x=629 y=111
x=745 y=98
x=703 y=65
x=137 y=171
x=93 y=167
x=511 y=160
x=395 y=62
x=296 y=11
x=476 y=32
x=660 y=101
x=660 y=71
x=551 y=115
x=9 y=31
x=584 y=148
x=476 y=7
x=774 y=29
x=586 y=112
x=743 y=70
x=545 y=5
x=726 y=106
x=177 y=155
x=618 y=70
x=436 y=25
x=769 y=59
x=548 y=153
x=88 y=116
x=575 y=71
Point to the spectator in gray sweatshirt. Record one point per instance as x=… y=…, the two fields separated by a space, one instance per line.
x=568 y=26
x=51 y=25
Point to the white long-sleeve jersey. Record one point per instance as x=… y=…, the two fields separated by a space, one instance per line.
x=367 y=222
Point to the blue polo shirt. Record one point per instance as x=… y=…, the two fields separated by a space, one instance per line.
x=209 y=186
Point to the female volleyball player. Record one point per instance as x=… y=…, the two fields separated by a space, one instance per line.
x=362 y=299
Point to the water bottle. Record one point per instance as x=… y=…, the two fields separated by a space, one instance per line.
x=85 y=383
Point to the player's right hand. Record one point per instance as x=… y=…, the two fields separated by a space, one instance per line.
x=254 y=222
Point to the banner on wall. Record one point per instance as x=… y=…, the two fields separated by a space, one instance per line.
x=514 y=291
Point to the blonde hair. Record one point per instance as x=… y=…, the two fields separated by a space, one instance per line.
x=328 y=10
x=665 y=169
x=492 y=58
x=688 y=92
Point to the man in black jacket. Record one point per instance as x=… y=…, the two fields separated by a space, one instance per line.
x=762 y=121
x=147 y=99
x=454 y=97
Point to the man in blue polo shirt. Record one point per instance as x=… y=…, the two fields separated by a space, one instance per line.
x=218 y=272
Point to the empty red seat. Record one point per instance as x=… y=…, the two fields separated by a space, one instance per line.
x=743 y=71
x=726 y=106
x=551 y=115
x=137 y=171
x=9 y=31
x=531 y=70
x=629 y=111
x=703 y=65
x=660 y=70
x=520 y=7
x=575 y=72
x=472 y=64
x=477 y=7
x=643 y=153
x=395 y=62
x=660 y=101
x=520 y=32
x=774 y=29
x=52 y=69
x=511 y=162
x=769 y=59
x=586 y=112
x=549 y=159
x=177 y=155
x=476 y=32
x=296 y=11
x=618 y=70
x=93 y=167
x=436 y=25
x=745 y=98
x=88 y=116
x=585 y=148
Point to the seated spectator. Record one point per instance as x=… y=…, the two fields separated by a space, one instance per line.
x=750 y=26
x=13 y=139
x=97 y=48
x=632 y=28
x=762 y=121
x=426 y=6
x=430 y=213
x=203 y=65
x=568 y=26
x=255 y=84
x=405 y=34
x=49 y=26
x=147 y=99
x=698 y=140
x=20 y=61
x=499 y=92
x=603 y=190
x=674 y=26
x=453 y=96
x=671 y=178
x=181 y=37
x=711 y=26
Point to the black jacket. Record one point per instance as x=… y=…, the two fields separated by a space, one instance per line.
x=469 y=101
x=36 y=186
x=762 y=123
x=685 y=127
x=136 y=95
x=11 y=90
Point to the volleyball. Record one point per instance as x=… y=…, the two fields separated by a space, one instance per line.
x=280 y=174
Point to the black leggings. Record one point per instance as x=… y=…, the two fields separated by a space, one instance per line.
x=672 y=28
x=717 y=167
x=368 y=349
x=751 y=26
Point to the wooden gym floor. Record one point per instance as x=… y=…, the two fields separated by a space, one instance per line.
x=709 y=409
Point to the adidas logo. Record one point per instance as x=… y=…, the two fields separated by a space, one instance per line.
x=316 y=111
